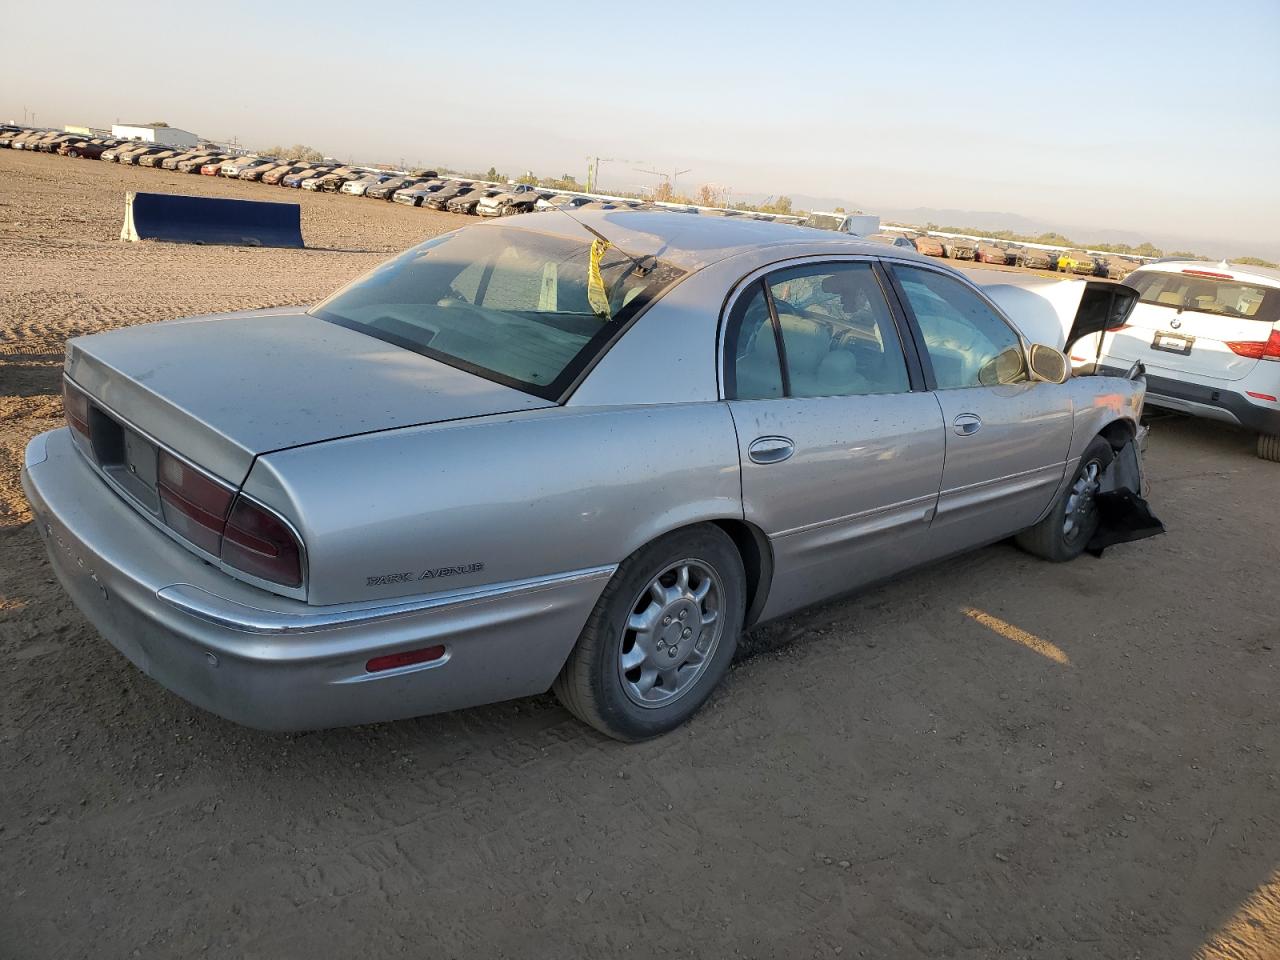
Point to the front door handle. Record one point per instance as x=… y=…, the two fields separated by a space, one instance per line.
x=771 y=449
x=967 y=424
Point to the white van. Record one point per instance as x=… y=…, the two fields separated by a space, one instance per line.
x=1209 y=335
x=858 y=224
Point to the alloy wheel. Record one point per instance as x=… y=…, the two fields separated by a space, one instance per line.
x=671 y=633
x=1080 y=502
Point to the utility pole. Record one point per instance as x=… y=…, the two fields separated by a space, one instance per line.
x=593 y=169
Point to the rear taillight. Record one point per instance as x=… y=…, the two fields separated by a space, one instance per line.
x=194 y=506
x=258 y=542
x=1268 y=349
x=206 y=512
x=76 y=406
x=243 y=534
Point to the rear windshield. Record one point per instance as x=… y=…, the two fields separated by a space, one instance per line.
x=525 y=309
x=1204 y=294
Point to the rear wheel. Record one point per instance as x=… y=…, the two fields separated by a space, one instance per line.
x=1269 y=447
x=660 y=638
x=1072 y=521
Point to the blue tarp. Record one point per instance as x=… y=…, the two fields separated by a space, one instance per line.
x=183 y=219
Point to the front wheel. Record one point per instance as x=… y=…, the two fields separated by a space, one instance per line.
x=660 y=638
x=1269 y=447
x=1072 y=521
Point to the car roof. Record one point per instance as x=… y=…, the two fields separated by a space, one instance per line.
x=693 y=242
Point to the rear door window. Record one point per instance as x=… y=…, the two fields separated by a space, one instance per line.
x=837 y=332
x=819 y=330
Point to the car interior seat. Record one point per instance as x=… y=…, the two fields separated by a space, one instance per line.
x=756 y=371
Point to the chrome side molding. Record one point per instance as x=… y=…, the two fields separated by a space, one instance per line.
x=232 y=615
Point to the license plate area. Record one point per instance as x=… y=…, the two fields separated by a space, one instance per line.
x=127 y=458
x=1172 y=343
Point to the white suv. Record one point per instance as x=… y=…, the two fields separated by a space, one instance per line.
x=1209 y=335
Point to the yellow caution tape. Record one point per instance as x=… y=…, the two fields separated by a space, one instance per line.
x=597 y=295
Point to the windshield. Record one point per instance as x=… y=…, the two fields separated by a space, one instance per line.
x=1202 y=293
x=526 y=309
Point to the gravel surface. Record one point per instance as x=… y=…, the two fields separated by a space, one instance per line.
x=888 y=776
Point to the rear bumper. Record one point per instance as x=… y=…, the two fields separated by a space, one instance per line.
x=278 y=664
x=1213 y=403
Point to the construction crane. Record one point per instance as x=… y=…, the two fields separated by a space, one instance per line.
x=593 y=169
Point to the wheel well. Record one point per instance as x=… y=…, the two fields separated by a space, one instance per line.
x=757 y=561
x=1118 y=433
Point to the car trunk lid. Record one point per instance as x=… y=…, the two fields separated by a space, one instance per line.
x=224 y=389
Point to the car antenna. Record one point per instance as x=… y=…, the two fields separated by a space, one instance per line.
x=644 y=265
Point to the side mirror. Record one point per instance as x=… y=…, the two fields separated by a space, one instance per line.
x=1009 y=366
x=1048 y=364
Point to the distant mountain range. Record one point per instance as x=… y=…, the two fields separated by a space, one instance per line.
x=998 y=220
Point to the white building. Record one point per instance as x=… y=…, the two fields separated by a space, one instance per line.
x=169 y=136
x=87 y=131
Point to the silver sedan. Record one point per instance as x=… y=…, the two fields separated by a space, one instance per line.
x=580 y=453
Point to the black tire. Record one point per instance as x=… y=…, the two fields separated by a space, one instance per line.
x=1048 y=539
x=592 y=684
x=1269 y=447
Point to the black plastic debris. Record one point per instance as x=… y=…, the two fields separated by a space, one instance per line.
x=1123 y=514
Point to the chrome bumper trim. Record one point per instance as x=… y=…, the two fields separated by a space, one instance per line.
x=203 y=605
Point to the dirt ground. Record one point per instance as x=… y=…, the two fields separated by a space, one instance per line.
x=902 y=774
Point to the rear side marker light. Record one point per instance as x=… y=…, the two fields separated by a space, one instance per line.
x=1261 y=396
x=405 y=659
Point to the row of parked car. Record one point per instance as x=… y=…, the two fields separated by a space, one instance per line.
x=1001 y=252
x=418 y=188
x=425 y=188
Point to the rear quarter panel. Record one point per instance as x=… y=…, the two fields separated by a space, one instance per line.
x=524 y=495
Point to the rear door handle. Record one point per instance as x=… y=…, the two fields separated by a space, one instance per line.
x=771 y=449
x=967 y=424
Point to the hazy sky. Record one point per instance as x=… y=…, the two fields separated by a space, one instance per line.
x=1160 y=117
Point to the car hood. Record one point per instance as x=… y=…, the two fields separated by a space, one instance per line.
x=226 y=388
